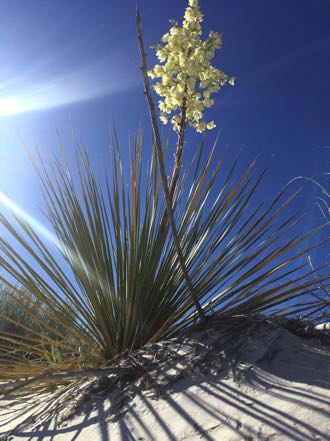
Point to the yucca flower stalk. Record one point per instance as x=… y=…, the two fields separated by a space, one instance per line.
x=186 y=78
x=187 y=81
x=116 y=270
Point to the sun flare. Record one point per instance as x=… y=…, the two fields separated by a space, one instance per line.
x=10 y=106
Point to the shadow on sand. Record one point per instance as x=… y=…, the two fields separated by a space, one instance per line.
x=283 y=396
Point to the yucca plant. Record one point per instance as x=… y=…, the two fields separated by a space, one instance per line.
x=186 y=81
x=118 y=284
x=11 y=307
x=318 y=304
x=29 y=332
x=13 y=317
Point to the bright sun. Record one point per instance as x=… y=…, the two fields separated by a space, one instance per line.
x=10 y=106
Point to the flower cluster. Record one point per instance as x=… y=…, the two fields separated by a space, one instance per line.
x=186 y=75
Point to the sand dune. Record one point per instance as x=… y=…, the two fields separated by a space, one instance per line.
x=257 y=382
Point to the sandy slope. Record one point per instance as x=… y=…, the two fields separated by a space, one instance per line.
x=276 y=387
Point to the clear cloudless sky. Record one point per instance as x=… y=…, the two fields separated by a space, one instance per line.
x=75 y=63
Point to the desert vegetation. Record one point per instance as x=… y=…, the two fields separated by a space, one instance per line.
x=120 y=285
x=142 y=254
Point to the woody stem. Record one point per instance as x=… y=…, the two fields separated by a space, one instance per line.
x=179 y=147
x=159 y=151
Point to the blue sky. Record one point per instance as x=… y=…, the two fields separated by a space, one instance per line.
x=75 y=63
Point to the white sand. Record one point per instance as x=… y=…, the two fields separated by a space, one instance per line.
x=282 y=394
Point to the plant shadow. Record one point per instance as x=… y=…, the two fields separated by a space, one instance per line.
x=284 y=395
